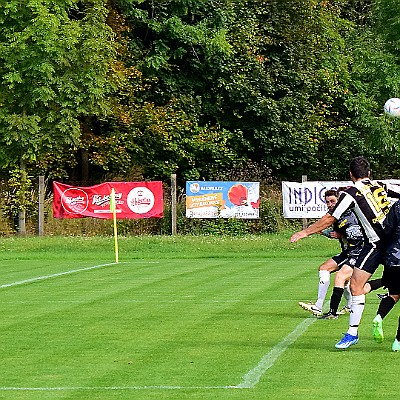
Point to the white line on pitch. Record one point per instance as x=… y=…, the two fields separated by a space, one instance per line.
x=163 y=387
x=41 y=278
x=253 y=377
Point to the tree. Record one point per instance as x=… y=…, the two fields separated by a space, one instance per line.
x=54 y=60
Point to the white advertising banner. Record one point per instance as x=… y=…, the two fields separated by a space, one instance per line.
x=306 y=199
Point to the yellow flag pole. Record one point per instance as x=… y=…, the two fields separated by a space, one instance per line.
x=113 y=209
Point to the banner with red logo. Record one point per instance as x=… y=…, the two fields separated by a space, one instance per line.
x=132 y=200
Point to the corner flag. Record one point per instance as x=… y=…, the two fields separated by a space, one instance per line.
x=113 y=209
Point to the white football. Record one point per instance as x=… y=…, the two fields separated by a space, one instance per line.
x=392 y=107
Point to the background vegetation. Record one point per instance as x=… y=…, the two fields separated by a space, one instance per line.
x=94 y=90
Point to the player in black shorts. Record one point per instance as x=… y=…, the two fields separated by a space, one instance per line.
x=352 y=241
x=350 y=237
x=349 y=234
x=391 y=274
x=369 y=201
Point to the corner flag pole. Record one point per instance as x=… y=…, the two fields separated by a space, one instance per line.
x=113 y=209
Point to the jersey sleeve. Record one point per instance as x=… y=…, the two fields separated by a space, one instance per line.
x=345 y=202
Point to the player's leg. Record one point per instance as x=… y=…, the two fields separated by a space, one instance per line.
x=396 y=343
x=348 y=297
x=372 y=284
x=324 y=272
x=357 y=282
x=342 y=276
x=386 y=304
x=391 y=279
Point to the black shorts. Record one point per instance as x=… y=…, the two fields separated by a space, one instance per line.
x=370 y=257
x=391 y=279
x=348 y=257
x=340 y=259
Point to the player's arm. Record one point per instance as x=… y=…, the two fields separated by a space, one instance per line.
x=316 y=227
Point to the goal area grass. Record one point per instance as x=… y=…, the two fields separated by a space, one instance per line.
x=180 y=317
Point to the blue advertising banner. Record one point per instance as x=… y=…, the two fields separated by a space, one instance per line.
x=216 y=199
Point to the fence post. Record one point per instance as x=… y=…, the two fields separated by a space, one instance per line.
x=173 y=203
x=305 y=220
x=41 y=206
x=22 y=212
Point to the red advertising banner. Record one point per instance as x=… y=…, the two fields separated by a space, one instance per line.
x=132 y=200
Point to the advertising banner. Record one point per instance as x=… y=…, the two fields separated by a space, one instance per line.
x=306 y=199
x=133 y=200
x=222 y=199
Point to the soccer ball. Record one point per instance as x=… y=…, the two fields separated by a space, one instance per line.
x=392 y=107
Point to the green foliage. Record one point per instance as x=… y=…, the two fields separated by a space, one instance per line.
x=140 y=88
x=53 y=69
x=286 y=82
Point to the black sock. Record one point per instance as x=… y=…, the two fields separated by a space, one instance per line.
x=335 y=299
x=385 y=306
x=375 y=284
x=398 y=331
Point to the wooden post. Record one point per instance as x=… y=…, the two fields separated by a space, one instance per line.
x=173 y=203
x=41 y=206
x=22 y=212
x=305 y=220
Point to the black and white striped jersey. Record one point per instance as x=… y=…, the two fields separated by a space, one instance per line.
x=369 y=201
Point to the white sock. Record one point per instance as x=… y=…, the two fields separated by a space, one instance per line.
x=323 y=286
x=357 y=308
x=347 y=295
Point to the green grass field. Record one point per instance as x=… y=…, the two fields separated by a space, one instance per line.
x=179 y=318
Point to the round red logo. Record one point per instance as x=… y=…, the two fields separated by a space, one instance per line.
x=74 y=201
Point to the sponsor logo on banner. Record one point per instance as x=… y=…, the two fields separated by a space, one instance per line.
x=140 y=200
x=74 y=201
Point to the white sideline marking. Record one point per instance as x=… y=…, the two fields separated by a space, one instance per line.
x=41 y=278
x=47 y=389
x=253 y=377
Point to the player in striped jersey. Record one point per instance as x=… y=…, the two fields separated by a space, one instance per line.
x=369 y=201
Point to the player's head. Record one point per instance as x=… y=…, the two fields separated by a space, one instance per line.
x=359 y=168
x=331 y=198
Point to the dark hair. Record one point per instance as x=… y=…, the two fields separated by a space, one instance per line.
x=359 y=167
x=331 y=192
